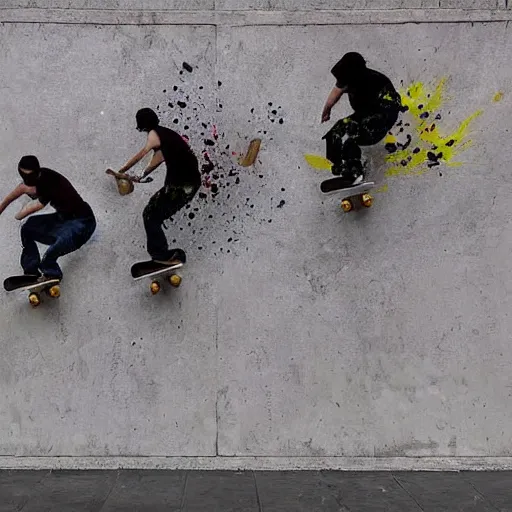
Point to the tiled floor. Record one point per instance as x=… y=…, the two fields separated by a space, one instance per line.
x=155 y=491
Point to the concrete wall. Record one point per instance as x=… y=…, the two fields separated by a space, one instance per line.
x=299 y=331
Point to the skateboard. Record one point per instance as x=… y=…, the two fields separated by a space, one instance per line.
x=124 y=184
x=360 y=191
x=31 y=284
x=152 y=270
x=333 y=185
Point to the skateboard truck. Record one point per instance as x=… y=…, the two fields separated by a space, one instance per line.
x=35 y=298
x=27 y=283
x=174 y=280
x=153 y=270
x=366 y=200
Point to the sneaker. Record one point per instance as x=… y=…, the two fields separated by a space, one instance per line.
x=359 y=179
x=350 y=172
x=43 y=279
x=354 y=172
x=171 y=262
x=176 y=257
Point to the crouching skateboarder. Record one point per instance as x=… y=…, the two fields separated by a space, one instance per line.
x=64 y=231
x=181 y=184
x=376 y=106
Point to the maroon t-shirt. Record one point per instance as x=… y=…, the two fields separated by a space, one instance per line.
x=55 y=189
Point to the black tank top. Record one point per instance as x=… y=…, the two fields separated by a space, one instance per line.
x=181 y=163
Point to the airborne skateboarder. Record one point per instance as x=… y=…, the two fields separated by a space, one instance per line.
x=376 y=106
x=182 y=182
x=66 y=230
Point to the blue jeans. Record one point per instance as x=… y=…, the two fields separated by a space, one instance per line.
x=63 y=235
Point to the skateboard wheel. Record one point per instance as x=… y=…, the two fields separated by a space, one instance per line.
x=34 y=299
x=346 y=205
x=175 y=280
x=155 y=287
x=367 y=200
x=54 y=291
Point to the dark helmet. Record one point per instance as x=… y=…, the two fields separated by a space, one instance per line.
x=350 y=65
x=147 y=120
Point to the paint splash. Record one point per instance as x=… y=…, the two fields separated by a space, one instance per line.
x=498 y=96
x=425 y=146
x=318 y=162
x=230 y=196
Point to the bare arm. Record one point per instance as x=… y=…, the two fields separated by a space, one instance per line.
x=30 y=208
x=152 y=142
x=15 y=194
x=332 y=99
x=157 y=159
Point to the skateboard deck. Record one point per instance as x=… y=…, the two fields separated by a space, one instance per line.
x=34 y=287
x=152 y=270
x=334 y=185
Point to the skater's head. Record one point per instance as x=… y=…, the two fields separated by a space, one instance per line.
x=29 y=170
x=147 y=120
x=348 y=68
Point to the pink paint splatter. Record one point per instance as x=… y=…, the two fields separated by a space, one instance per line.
x=215 y=134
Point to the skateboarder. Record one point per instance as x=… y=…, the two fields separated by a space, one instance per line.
x=181 y=184
x=376 y=106
x=65 y=231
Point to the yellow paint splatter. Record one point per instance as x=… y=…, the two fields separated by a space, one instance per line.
x=498 y=97
x=318 y=162
x=427 y=146
x=384 y=188
x=420 y=101
x=452 y=144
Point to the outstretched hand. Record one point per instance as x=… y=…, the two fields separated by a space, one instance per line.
x=326 y=114
x=123 y=176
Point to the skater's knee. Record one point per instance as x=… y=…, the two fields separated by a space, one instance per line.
x=27 y=228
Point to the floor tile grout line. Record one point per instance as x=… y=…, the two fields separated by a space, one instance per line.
x=117 y=472
x=47 y=475
x=260 y=507
x=407 y=492
x=485 y=498
x=185 y=484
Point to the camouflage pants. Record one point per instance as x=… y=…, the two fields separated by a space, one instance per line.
x=344 y=139
x=162 y=206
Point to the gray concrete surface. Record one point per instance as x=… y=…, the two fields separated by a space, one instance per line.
x=298 y=331
x=308 y=491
